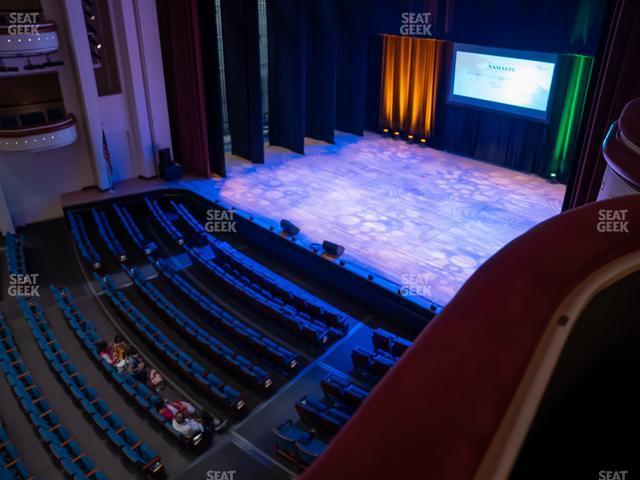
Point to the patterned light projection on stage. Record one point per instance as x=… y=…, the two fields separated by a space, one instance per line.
x=410 y=70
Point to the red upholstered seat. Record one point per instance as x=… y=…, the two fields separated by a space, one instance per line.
x=629 y=121
x=621 y=148
x=435 y=413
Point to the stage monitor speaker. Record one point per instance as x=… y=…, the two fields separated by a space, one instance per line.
x=332 y=249
x=289 y=228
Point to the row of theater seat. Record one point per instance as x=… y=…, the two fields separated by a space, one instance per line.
x=81 y=238
x=262 y=345
x=137 y=391
x=11 y=465
x=279 y=287
x=297 y=322
x=298 y=445
x=388 y=342
x=168 y=226
x=315 y=412
x=105 y=231
x=373 y=364
x=387 y=349
x=132 y=229
x=342 y=391
x=43 y=418
x=139 y=453
x=219 y=351
x=15 y=254
x=194 y=371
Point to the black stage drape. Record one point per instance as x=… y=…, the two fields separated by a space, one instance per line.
x=242 y=73
x=212 y=87
x=286 y=20
x=321 y=55
x=352 y=62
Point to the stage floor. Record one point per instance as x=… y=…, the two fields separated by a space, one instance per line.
x=420 y=217
x=423 y=218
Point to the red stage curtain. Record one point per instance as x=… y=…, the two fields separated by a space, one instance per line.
x=181 y=55
x=410 y=71
x=617 y=84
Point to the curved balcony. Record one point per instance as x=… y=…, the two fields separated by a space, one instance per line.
x=41 y=137
x=18 y=41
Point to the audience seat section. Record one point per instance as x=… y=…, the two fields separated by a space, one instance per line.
x=137 y=391
x=11 y=465
x=207 y=380
x=135 y=450
x=44 y=419
x=297 y=444
x=301 y=323
x=81 y=239
x=262 y=344
x=15 y=254
x=265 y=278
x=222 y=353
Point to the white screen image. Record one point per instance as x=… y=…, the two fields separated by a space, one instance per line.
x=518 y=82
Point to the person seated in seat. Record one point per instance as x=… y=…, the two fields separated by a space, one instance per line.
x=117 y=351
x=104 y=351
x=187 y=426
x=135 y=365
x=169 y=409
x=155 y=380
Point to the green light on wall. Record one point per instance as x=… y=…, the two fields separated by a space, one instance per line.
x=572 y=111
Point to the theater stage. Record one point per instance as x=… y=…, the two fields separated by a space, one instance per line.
x=423 y=218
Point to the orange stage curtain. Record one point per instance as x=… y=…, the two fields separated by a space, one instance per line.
x=410 y=70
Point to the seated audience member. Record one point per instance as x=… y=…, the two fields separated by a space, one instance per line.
x=186 y=426
x=105 y=353
x=117 y=349
x=169 y=409
x=135 y=365
x=155 y=380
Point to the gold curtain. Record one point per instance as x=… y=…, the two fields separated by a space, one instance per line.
x=410 y=70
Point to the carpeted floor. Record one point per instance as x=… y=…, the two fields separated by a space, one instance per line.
x=423 y=218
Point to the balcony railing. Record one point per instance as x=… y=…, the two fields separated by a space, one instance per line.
x=41 y=39
x=39 y=137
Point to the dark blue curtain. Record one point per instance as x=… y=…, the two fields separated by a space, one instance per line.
x=240 y=37
x=351 y=69
x=286 y=25
x=212 y=87
x=321 y=55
